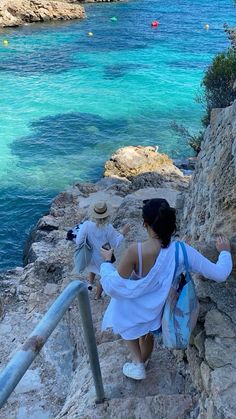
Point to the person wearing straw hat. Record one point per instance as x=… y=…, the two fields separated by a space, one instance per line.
x=99 y=232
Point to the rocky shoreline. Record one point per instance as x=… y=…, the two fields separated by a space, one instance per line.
x=199 y=383
x=20 y=12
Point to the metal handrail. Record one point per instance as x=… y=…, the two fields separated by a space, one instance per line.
x=19 y=364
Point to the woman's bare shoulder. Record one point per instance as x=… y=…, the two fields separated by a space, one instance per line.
x=128 y=261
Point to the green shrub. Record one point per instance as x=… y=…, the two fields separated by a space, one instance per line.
x=194 y=140
x=218 y=83
x=218 y=92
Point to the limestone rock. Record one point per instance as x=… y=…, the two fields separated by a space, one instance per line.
x=158 y=407
x=126 y=398
x=51 y=289
x=210 y=411
x=9 y=282
x=155 y=179
x=205 y=375
x=218 y=324
x=30 y=382
x=86 y=188
x=223 y=295
x=1 y=308
x=149 y=193
x=186 y=164
x=19 y=12
x=131 y=161
x=199 y=343
x=223 y=384
x=194 y=364
x=48 y=223
x=211 y=199
x=217 y=310
x=220 y=352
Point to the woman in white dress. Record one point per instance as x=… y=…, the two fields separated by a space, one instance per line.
x=99 y=232
x=140 y=285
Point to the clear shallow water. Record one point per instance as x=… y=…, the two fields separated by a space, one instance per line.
x=69 y=100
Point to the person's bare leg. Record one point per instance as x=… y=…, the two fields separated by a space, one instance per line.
x=134 y=348
x=146 y=343
x=98 y=290
x=135 y=369
x=91 y=277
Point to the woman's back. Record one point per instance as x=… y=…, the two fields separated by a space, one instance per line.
x=145 y=298
x=145 y=255
x=149 y=254
x=136 y=307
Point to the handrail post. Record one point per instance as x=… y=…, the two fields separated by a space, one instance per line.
x=21 y=361
x=90 y=341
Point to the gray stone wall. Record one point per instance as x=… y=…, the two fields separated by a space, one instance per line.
x=208 y=208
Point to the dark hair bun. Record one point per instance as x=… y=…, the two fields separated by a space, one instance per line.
x=161 y=218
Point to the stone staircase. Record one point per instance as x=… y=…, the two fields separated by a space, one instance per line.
x=167 y=392
x=59 y=383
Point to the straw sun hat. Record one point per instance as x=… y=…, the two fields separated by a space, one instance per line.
x=100 y=210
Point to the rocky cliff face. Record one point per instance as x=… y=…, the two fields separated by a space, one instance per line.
x=209 y=207
x=19 y=12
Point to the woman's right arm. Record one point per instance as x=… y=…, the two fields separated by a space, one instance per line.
x=218 y=271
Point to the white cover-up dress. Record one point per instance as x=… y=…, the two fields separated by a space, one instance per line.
x=136 y=306
x=97 y=236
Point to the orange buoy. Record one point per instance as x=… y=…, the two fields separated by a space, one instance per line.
x=155 y=23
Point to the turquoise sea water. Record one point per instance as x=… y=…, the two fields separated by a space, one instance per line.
x=69 y=100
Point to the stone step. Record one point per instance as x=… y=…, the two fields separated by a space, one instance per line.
x=175 y=406
x=167 y=391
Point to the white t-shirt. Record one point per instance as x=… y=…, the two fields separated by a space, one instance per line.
x=97 y=236
x=136 y=306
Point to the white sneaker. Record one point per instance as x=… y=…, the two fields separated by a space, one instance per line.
x=135 y=371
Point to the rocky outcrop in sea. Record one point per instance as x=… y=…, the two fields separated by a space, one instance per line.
x=199 y=383
x=20 y=12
